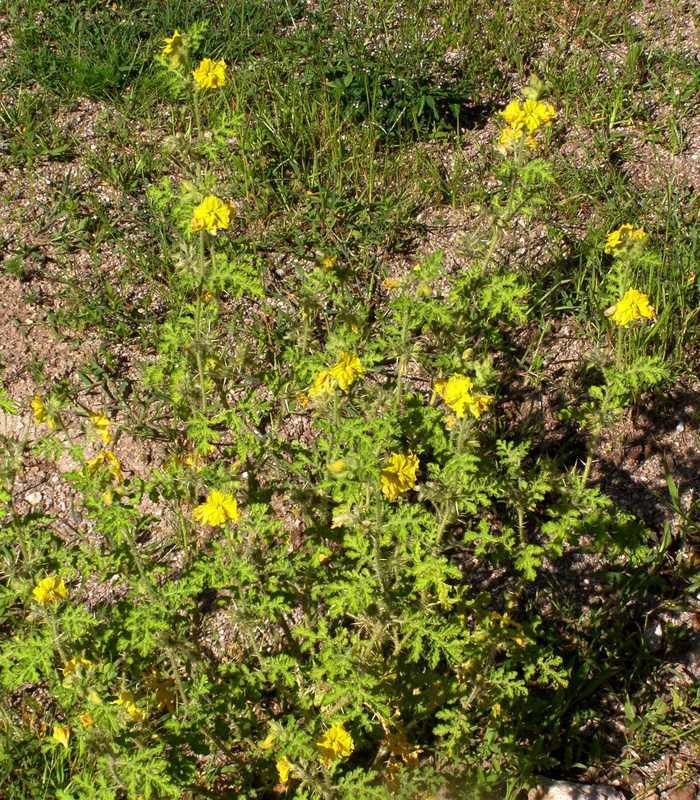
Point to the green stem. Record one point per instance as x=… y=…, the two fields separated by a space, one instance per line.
x=619 y=349
x=587 y=466
x=53 y=622
x=446 y=517
x=198 y=344
x=197 y=112
x=521 y=524
x=403 y=359
x=376 y=542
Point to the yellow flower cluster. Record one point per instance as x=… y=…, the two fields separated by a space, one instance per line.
x=74 y=665
x=523 y=120
x=61 y=735
x=211 y=215
x=623 y=237
x=50 y=590
x=634 y=305
x=268 y=742
x=175 y=49
x=41 y=414
x=163 y=691
x=346 y=370
x=401 y=754
x=218 y=508
x=127 y=702
x=399 y=476
x=102 y=426
x=337 y=467
x=399 y=747
x=106 y=458
x=458 y=395
x=284 y=769
x=335 y=743
x=210 y=74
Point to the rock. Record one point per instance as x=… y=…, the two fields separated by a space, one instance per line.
x=33 y=498
x=16 y=426
x=654 y=637
x=689 y=792
x=636 y=780
x=561 y=790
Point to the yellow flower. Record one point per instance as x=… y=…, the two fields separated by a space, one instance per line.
x=513 y=113
x=341 y=515
x=509 y=138
x=211 y=215
x=346 y=370
x=337 y=467
x=450 y=421
x=61 y=735
x=342 y=375
x=126 y=701
x=194 y=460
x=624 y=236
x=531 y=114
x=399 y=476
x=51 y=589
x=218 y=508
x=478 y=403
x=324 y=383
x=398 y=745
x=457 y=394
x=210 y=74
x=101 y=423
x=546 y=112
x=391 y=283
x=335 y=743
x=537 y=113
x=86 y=719
x=163 y=690
x=174 y=49
x=110 y=461
x=633 y=305
x=73 y=665
x=268 y=742
x=284 y=768
x=329 y=262
x=40 y=413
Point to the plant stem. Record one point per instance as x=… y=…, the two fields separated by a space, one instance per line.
x=198 y=343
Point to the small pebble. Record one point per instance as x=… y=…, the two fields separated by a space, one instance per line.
x=654 y=637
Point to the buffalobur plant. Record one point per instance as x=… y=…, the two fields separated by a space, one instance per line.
x=347 y=590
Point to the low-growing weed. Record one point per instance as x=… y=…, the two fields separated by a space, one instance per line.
x=346 y=573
